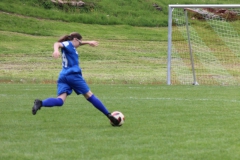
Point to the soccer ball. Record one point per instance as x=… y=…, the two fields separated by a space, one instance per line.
x=119 y=116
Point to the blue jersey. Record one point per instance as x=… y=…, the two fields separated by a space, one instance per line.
x=70 y=77
x=70 y=62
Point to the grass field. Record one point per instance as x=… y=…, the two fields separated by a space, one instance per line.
x=161 y=123
x=127 y=71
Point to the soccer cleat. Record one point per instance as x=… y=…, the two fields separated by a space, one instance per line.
x=37 y=106
x=113 y=120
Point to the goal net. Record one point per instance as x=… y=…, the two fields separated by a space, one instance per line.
x=204 y=44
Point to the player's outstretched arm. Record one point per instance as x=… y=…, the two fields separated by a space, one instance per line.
x=91 y=43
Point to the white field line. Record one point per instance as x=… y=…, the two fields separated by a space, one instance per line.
x=186 y=99
x=5 y=96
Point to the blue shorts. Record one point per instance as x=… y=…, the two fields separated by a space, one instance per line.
x=67 y=83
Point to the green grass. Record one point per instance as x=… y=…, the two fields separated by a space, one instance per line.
x=161 y=123
x=104 y=12
x=125 y=53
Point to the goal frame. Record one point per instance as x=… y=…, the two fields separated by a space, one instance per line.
x=170 y=10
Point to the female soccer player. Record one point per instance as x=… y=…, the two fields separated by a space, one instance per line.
x=70 y=78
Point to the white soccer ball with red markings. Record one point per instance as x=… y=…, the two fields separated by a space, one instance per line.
x=119 y=116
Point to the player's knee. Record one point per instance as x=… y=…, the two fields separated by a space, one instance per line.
x=60 y=102
x=88 y=94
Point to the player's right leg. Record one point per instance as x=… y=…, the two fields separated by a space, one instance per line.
x=63 y=90
x=49 y=102
x=36 y=106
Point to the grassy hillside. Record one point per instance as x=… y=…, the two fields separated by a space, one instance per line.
x=106 y=12
x=125 y=53
x=133 y=40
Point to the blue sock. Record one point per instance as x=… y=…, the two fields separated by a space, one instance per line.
x=98 y=104
x=50 y=102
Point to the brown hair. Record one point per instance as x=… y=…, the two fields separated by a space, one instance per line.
x=70 y=37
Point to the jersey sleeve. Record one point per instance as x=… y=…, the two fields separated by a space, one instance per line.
x=65 y=44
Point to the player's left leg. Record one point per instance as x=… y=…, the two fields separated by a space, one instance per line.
x=80 y=86
x=99 y=105
x=96 y=102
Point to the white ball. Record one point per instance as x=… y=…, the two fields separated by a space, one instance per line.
x=119 y=116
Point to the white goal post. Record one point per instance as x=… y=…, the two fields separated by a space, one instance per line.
x=203 y=44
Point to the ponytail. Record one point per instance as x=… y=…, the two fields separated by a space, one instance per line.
x=65 y=38
x=70 y=37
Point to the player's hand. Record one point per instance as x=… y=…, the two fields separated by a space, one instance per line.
x=93 y=43
x=56 y=54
